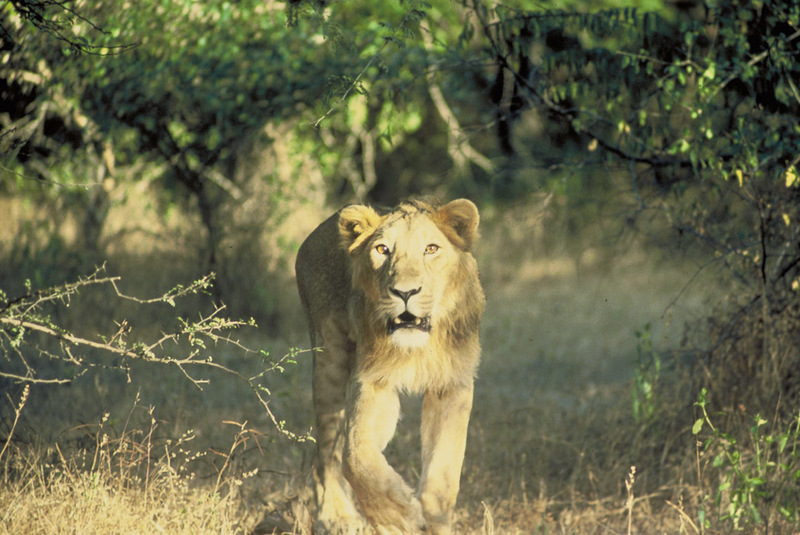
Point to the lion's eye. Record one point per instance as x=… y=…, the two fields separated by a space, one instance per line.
x=431 y=248
x=382 y=249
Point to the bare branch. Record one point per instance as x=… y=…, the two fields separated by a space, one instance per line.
x=21 y=316
x=461 y=152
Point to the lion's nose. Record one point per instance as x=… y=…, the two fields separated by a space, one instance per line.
x=405 y=295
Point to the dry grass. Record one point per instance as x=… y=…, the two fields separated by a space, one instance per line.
x=552 y=441
x=134 y=483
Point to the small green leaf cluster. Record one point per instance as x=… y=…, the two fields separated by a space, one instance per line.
x=644 y=395
x=759 y=478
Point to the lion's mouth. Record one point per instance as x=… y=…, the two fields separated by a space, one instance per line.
x=407 y=320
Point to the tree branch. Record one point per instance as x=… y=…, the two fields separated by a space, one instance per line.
x=20 y=316
x=461 y=152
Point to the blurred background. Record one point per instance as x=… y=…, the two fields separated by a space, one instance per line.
x=636 y=169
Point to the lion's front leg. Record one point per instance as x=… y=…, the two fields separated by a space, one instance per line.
x=445 y=418
x=337 y=513
x=385 y=499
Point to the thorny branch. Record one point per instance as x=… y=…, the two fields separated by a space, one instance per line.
x=23 y=315
x=58 y=18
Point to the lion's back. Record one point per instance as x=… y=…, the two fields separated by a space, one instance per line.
x=323 y=272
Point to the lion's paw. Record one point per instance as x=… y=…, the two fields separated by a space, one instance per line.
x=407 y=519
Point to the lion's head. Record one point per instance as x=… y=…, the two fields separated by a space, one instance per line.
x=414 y=269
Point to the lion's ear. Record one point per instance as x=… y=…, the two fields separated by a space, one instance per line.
x=356 y=224
x=459 y=220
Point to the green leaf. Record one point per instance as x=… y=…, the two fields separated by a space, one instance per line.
x=698 y=425
x=791 y=176
x=784 y=439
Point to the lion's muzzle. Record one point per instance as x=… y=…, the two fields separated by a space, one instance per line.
x=407 y=320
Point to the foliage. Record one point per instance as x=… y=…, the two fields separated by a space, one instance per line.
x=759 y=480
x=645 y=395
x=660 y=94
x=208 y=89
x=676 y=97
x=56 y=18
x=701 y=111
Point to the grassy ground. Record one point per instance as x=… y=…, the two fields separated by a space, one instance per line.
x=551 y=447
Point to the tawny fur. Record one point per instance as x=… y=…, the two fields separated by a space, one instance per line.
x=358 y=273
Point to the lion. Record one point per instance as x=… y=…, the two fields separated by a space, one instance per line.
x=393 y=303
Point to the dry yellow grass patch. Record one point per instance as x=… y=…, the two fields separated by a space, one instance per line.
x=135 y=483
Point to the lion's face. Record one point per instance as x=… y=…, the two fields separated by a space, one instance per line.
x=410 y=259
x=404 y=263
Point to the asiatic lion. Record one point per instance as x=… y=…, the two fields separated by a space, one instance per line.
x=393 y=303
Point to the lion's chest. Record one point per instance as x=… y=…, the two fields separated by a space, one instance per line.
x=412 y=370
